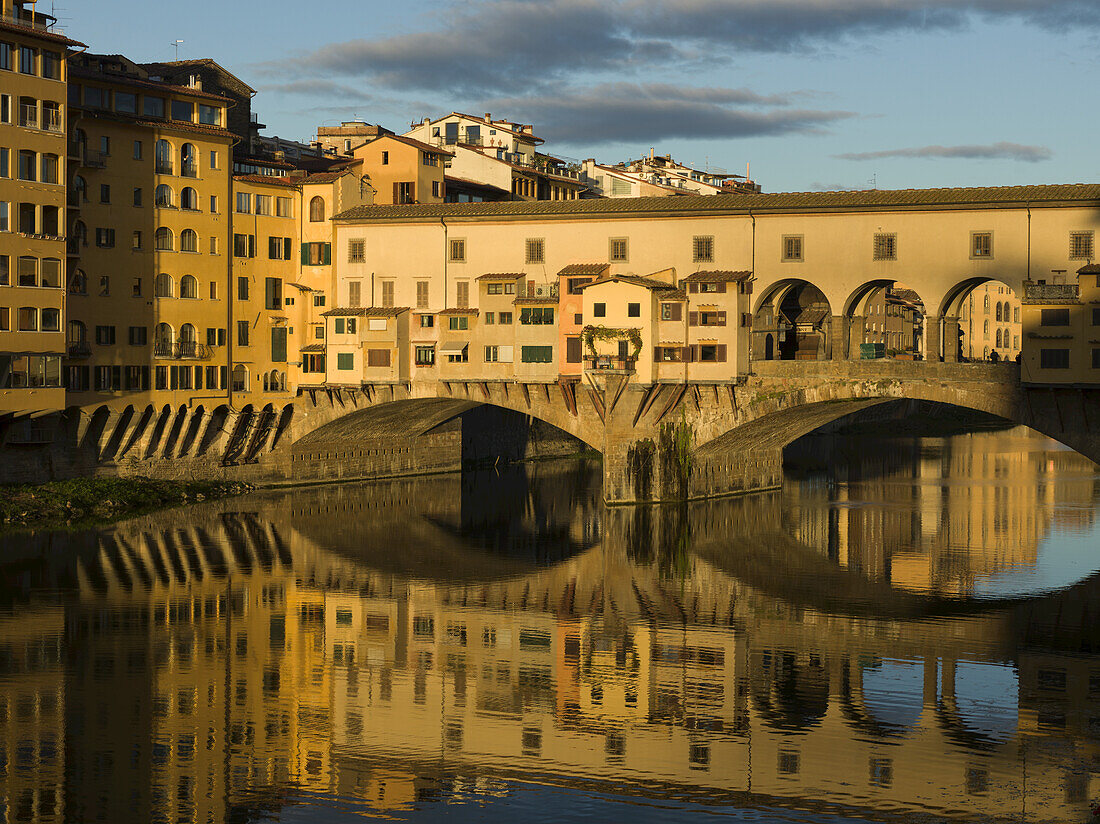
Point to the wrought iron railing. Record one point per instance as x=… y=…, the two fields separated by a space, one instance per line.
x=1052 y=292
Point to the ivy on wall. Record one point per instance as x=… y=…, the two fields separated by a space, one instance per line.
x=591 y=334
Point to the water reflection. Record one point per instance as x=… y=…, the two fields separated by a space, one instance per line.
x=504 y=645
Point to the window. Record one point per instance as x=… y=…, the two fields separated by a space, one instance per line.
x=422 y=294
x=599 y=310
x=317 y=210
x=26 y=60
x=424 y=356
x=273 y=293
x=136 y=287
x=633 y=310
x=981 y=244
x=458 y=249
x=1080 y=245
x=618 y=249
x=1054 y=358
x=536 y=354
x=51 y=320
x=5 y=162
x=189 y=199
x=243 y=204
x=385 y=158
x=162 y=195
x=163 y=152
x=1054 y=317
x=214 y=240
x=5 y=108
x=885 y=247
x=162 y=239
x=49 y=173
x=459 y=357
x=702 y=249
x=283 y=207
x=105 y=335
x=316 y=254
x=28 y=319
x=378 y=357
x=152 y=106
x=505 y=318
x=357 y=250
x=244 y=246
x=458 y=323
x=210 y=115
x=51 y=65
x=213 y=204
x=182 y=110
x=139 y=335
x=427 y=321
x=263 y=204
x=573 y=350
x=242 y=333
x=137 y=150
x=105 y=238
x=535 y=250
x=28 y=165
x=189 y=287
x=189 y=241
x=355 y=290
x=345 y=361
x=387 y=293
x=6 y=54
x=792 y=248
x=242 y=288
x=536 y=315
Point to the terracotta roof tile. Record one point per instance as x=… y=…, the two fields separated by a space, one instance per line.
x=129 y=80
x=717 y=276
x=366 y=311
x=313 y=347
x=30 y=31
x=268 y=179
x=741 y=203
x=584 y=269
x=458 y=311
x=635 y=280
x=1090 y=269
x=502 y=276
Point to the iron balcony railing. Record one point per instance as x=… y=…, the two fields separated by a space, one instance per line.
x=189 y=170
x=52 y=120
x=602 y=363
x=180 y=350
x=79 y=349
x=1051 y=292
x=163 y=167
x=94 y=159
x=28 y=115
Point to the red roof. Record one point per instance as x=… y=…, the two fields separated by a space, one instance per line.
x=268 y=179
x=30 y=31
x=129 y=80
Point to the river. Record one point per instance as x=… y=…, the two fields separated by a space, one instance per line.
x=908 y=631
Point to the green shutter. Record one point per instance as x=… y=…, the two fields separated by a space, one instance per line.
x=305 y=254
x=326 y=254
x=278 y=344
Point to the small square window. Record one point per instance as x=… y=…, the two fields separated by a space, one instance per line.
x=633 y=310
x=535 y=251
x=1080 y=245
x=885 y=247
x=618 y=250
x=458 y=249
x=702 y=249
x=981 y=244
x=792 y=248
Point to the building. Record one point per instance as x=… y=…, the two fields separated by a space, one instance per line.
x=660 y=176
x=402 y=169
x=990 y=321
x=1062 y=324
x=34 y=166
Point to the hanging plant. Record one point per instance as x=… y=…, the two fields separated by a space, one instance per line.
x=591 y=334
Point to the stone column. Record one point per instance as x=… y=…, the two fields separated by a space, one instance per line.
x=857 y=327
x=950 y=339
x=932 y=338
x=839 y=338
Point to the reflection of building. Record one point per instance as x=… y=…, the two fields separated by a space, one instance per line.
x=990 y=322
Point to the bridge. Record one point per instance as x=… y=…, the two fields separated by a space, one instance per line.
x=660 y=442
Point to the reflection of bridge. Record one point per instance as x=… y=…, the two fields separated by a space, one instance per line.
x=665 y=441
x=667 y=671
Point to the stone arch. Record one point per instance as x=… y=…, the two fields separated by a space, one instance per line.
x=217 y=422
x=965 y=329
x=798 y=316
x=114 y=443
x=191 y=434
x=159 y=425
x=882 y=311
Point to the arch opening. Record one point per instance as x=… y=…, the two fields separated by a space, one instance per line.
x=792 y=321
x=980 y=320
x=883 y=318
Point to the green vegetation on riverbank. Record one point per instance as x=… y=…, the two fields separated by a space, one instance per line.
x=102 y=499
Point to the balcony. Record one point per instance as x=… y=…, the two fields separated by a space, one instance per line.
x=609 y=363
x=79 y=349
x=30 y=19
x=53 y=121
x=163 y=167
x=188 y=170
x=94 y=159
x=180 y=350
x=1051 y=292
x=28 y=116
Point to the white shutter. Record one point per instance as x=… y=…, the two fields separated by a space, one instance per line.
x=504 y=354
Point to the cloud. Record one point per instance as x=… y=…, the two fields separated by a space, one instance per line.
x=629 y=113
x=836 y=187
x=991 y=151
x=317 y=87
x=787 y=25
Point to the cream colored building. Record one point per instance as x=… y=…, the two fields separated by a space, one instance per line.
x=659 y=175
x=991 y=321
x=33 y=170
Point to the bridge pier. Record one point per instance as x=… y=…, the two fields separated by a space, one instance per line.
x=950 y=339
x=932 y=334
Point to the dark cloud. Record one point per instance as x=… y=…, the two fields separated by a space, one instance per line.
x=317 y=87
x=991 y=151
x=788 y=25
x=627 y=113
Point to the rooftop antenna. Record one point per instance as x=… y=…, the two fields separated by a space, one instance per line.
x=874 y=181
x=176 y=43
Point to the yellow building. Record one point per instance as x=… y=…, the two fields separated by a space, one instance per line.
x=149 y=307
x=1062 y=323
x=990 y=321
x=33 y=170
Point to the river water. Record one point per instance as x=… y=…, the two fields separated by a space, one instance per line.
x=908 y=631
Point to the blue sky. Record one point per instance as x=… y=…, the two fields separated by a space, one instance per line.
x=815 y=94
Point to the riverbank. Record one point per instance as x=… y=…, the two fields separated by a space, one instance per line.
x=92 y=500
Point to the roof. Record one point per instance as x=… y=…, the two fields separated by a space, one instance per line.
x=268 y=179
x=584 y=269
x=201 y=61
x=1090 y=269
x=31 y=31
x=458 y=311
x=717 y=276
x=130 y=80
x=810 y=315
x=366 y=311
x=302 y=287
x=323 y=177
x=313 y=347
x=410 y=141
x=490 y=124
x=907 y=294
x=166 y=125
x=502 y=276
x=743 y=203
x=633 y=280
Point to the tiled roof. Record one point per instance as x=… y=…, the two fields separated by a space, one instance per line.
x=673 y=294
x=812 y=316
x=502 y=276
x=635 y=280
x=201 y=61
x=716 y=276
x=302 y=287
x=1090 y=269
x=458 y=311
x=30 y=31
x=268 y=179
x=492 y=125
x=907 y=294
x=412 y=141
x=366 y=311
x=166 y=125
x=130 y=80
x=323 y=177
x=536 y=299
x=585 y=269
x=742 y=202
x=313 y=347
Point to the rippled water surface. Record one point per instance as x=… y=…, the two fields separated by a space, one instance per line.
x=908 y=631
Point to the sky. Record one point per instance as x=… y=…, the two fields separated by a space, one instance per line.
x=808 y=94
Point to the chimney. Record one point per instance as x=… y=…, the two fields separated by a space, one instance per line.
x=488 y=118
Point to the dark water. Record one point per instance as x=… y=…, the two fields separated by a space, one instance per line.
x=909 y=631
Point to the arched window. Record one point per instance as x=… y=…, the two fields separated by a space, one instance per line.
x=164 y=239
x=164 y=157
x=986 y=306
x=1005 y=338
x=80 y=190
x=274 y=381
x=189 y=287
x=998 y=313
x=998 y=331
x=240 y=378
x=1015 y=314
x=78 y=283
x=985 y=331
x=163 y=341
x=162 y=195
x=80 y=233
x=189 y=165
x=189 y=199
x=317 y=210
x=164 y=332
x=188 y=345
x=187 y=333
x=189 y=241
x=164 y=286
